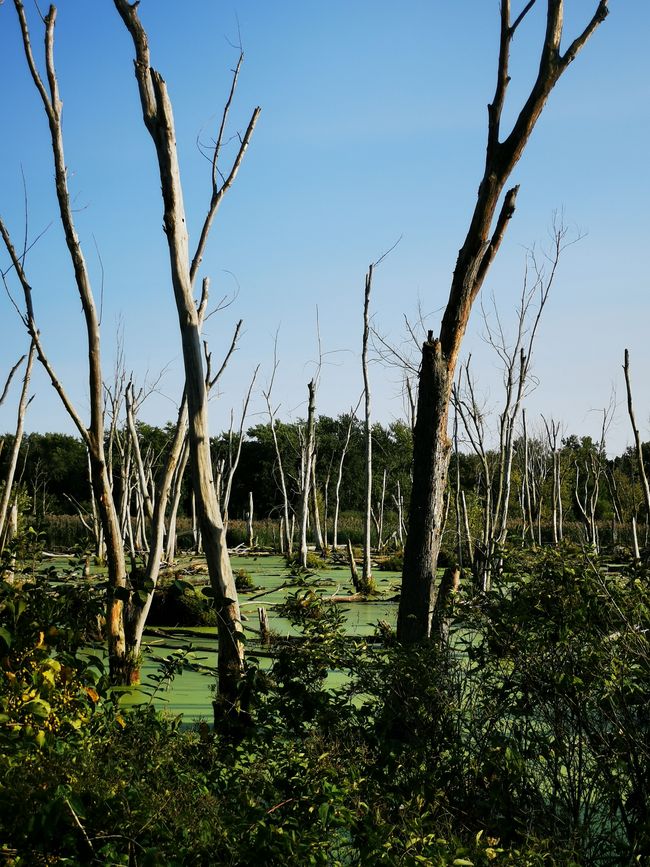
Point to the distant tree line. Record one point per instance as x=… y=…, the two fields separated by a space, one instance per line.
x=597 y=495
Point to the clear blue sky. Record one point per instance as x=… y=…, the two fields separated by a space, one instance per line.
x=372 y=127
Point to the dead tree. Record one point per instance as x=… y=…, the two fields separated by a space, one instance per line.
x=589 y=471
x=169 y=483
x=315 y=510
x=159 y=121
x=366 y=569
x=533 y=455
x=306 y=474
x=234 y=452
x=432 y=446
x=286 y=532
x=93 y=433
x=10 y=376
x=552 y=434
x=339 y=478
x=637 y=444
x=23 y=403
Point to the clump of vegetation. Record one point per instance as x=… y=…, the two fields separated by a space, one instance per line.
x=244 y=580
x=313 y=561
x=392 y=563
x=301 y=606
x=521 y=739
x=181 y=604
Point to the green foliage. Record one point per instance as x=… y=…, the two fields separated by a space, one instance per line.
x=522 y=741
x=244 y=580
x=393 y=563
x=313 y=561
x=179 y=603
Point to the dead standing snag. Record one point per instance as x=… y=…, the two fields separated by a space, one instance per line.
x=159 y=121
x=432 y=445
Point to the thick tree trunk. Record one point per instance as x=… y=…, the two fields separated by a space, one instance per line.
x=431 y=453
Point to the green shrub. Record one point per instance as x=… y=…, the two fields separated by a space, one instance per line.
x=244 y=580
x=174 y=606
x=314 y=561
x=393 y=563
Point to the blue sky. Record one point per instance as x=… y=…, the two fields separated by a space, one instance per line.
x=372 y=128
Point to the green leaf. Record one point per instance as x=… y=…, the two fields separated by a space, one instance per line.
x=38 y=707
x=6 y=636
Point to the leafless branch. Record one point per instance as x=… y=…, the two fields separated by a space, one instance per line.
x=10 y=376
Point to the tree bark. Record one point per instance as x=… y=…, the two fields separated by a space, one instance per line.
x=159 y=121
x=366 y=569
x=93 y=435
x=308 y=456
x=637 y=437
x=432 y=449
x=18 y=438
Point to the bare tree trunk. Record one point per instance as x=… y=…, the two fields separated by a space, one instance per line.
x=432 y=448
x=11 y=531
x=234 y=461
x=286 y=528
x=318 y=530
x=308 y=456
x=337 y=489
x=366 y=570
x=635 y=540
x=637 y=438
x=265 y=631
x=23 y=403
x=552 y=431
x=380 y=530
x=326 y=490
x=399 y=502
x=459 y=532
x=526 y=481
x=354 y=575
x=159 y=121
x=175 y=495
x=251 y=539
x=468 y=534
x=93 y=435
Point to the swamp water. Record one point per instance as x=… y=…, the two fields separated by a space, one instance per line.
x=190 y=692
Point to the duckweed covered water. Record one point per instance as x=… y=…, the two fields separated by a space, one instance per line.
x=191 y=692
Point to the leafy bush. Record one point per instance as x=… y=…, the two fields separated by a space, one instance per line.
x=393 y=563
x=181 y=604
x=314 y=561
x=244 y=580
x=522 y=740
